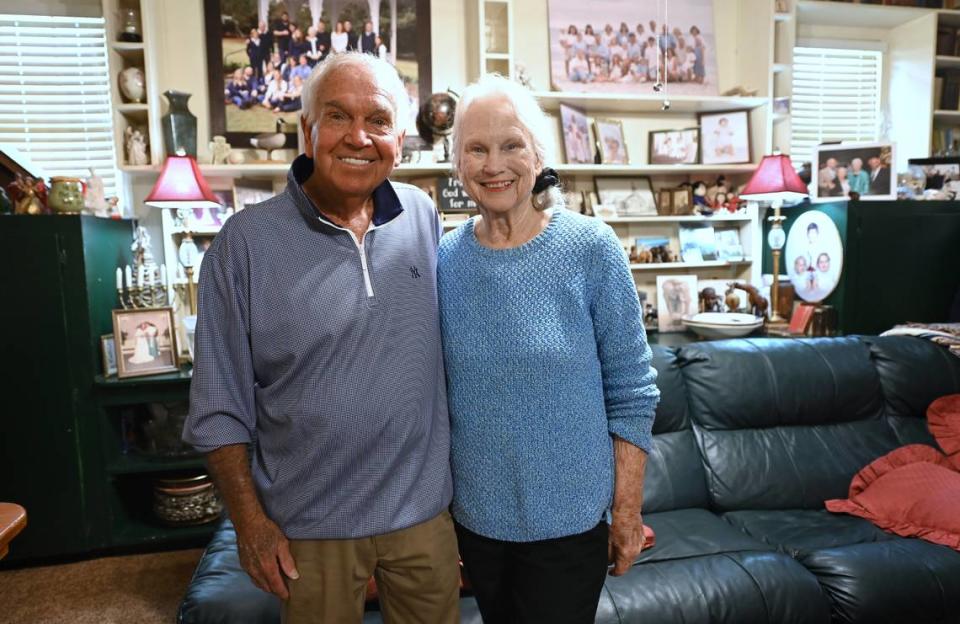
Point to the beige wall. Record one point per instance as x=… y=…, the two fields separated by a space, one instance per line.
x=68 y=8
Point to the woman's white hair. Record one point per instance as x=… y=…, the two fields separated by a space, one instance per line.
x=531 y=117
x=384 y=73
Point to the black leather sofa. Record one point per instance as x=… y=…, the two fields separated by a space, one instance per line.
x=751 y=437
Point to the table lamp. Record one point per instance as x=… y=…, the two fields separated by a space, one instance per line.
x=775 y=181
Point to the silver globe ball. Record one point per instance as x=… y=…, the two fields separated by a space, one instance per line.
x=666 y=105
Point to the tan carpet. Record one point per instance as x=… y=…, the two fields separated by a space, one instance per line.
x=134 y=588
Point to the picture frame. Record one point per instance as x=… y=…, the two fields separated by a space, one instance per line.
x=681 y=201
x=246 y=193
x=632 y=197
x=933 y=178
x=602 y=47
x=665 y=202
x=575 y=127
x=147 y=342
x=674 y=147
x=610 y=142
x=725 y=137
x=109 y=352
x=676 y=300
x=226 y=25
x=841 y=169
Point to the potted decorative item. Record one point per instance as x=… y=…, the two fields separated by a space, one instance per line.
x=179 y=125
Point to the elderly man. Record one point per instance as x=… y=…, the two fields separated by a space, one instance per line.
x=318 y=343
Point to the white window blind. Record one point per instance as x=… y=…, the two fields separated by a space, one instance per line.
x=836 y=97
x=55 y=95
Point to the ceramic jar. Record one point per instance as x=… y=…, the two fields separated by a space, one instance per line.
x=186 y=501
x=66 y=195
x=179 y=126
x=130 y=25
x=133 y=85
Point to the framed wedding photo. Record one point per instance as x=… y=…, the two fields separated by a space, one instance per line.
x=613 y=148
x=577 y=148
x=145 y=341
x=675 y=147
x=725 y=137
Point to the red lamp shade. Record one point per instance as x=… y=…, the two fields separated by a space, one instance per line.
x=181 y=185
x=775 y=178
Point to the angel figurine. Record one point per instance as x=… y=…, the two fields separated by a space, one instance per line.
x=136 y=145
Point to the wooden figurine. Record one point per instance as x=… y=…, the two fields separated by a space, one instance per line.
x=709 y=300
x=758 y=304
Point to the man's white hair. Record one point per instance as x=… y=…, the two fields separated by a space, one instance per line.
x=531 y=117
x=383 y=72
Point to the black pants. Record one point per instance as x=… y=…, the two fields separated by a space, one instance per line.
x=555 y=581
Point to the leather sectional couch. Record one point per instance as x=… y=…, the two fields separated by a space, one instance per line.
x=751 y=437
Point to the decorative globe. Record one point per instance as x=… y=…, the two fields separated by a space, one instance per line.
x=435 y=119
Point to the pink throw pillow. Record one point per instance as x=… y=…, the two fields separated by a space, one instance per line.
x=943 y=418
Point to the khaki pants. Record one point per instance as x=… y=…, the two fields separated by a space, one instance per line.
x=416 y=569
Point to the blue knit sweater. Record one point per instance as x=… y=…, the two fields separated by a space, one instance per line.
x=546 y=357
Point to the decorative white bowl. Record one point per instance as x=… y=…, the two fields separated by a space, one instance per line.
x=718 y=325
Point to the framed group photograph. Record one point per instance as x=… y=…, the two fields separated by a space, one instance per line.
x=627 y=47
x=613 y=147
x=577 y=148
x=632 y=197
x=725 y=137
x=145 y=341
x=848 y=170
x=675 y=147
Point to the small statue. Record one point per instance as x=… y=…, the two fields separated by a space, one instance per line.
x=662 y=253
x=143 y=252
x=644 y=255
x=522 y=76
x=731 y=299
x=701 y=205
x=758 y=303
x=709 y=300
x=649 y=315
x=719 y=186
x=29 y=195
x=219 y=150
x=136 y=144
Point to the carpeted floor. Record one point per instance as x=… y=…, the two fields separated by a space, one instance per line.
x=145 y=589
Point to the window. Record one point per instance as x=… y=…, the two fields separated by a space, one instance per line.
x=836 y=97
x=55 y=95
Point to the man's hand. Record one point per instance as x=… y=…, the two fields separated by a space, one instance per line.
x=625 y=541
x=265 y=555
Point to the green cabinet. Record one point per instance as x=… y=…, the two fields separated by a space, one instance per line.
x=61 y=448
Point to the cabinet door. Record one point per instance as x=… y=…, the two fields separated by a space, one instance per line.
x=40 y=464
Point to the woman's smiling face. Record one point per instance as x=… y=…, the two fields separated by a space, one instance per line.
x=498 y=162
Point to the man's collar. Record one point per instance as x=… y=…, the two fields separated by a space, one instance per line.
x=386 y=204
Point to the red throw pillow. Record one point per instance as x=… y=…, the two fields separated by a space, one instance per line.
x=913 y=491
x=943 y=417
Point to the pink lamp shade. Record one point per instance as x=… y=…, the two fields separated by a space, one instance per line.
x=181 y=185
x=775 y=178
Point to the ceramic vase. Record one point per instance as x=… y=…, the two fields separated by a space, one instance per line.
x=133 y=85
x=179 y=126
x=66 y=195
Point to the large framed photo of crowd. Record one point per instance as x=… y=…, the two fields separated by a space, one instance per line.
x=848 y=170
x=260 y=53
x=612 y=46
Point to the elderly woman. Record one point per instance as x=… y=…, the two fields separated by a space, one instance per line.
x=551 y=392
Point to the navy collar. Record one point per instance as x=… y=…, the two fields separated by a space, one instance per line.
x=386 y=204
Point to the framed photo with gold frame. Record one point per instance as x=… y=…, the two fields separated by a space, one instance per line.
x=146 y=341
x=610 y=142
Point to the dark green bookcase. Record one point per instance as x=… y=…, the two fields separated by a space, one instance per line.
x=60 y=449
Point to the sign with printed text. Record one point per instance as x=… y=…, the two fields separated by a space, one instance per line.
x=452 y=197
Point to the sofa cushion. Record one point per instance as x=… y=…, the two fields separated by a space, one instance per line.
x=687 y=533
x=797 y=532
x=727 y=588
x=913 y=491
x=672 y=414
x=889 y=582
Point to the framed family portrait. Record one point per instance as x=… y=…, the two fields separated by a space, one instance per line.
x=255 y=77
x=145 y=341
x=577 y=148
x=613 y=147
x=844 y=169
x=725 y=137
x=674 y=147
x=626 y=47
x=632 y=197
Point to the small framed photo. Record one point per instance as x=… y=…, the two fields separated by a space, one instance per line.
x=726 y=137
x=844 y=169
x=146 y=341
x=681 y=201
x=249 y=192
x=632 y=197
x=576 y=135
x=665 y=202
x=675 y=147
x=613 y=148
x=108 y=350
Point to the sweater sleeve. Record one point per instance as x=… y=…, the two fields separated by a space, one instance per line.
x=222 y=406
x=629 y=391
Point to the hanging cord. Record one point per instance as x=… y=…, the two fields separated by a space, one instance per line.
x=666 y=77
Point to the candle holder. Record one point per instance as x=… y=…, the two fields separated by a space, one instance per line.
x=143 y=290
